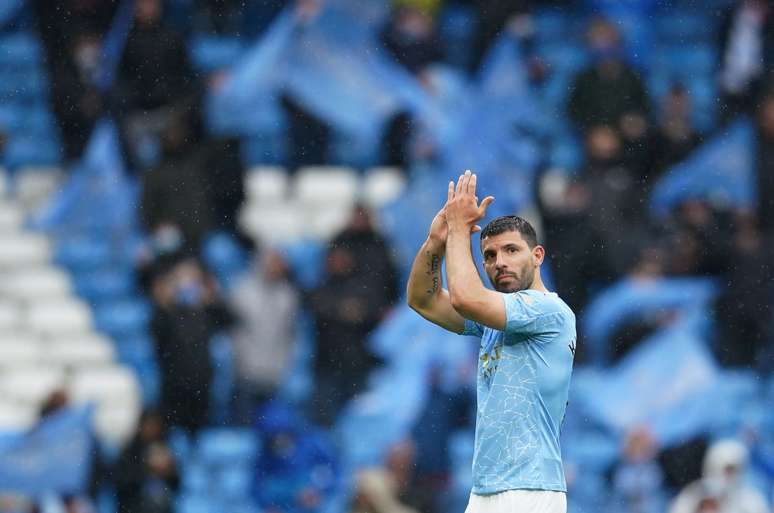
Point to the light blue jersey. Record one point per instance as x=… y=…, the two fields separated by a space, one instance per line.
x=523 y=382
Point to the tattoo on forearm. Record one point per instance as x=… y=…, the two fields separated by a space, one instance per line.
x=434 y=270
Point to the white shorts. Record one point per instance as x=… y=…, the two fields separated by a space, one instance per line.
x=518 y=501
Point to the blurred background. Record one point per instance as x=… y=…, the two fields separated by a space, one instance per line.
x=208 y=210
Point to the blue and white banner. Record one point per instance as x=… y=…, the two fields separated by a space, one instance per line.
x=54 y=457
x=722 y=172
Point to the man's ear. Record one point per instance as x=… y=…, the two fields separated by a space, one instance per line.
x=538 y=254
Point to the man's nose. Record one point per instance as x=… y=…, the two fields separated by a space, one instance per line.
x=500 y=262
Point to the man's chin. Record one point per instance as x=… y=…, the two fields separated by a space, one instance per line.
x=507 y=288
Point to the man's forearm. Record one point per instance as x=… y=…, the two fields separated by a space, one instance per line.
x=425 y=283
x=461 y=271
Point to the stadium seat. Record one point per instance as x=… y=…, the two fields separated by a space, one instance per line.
x=33 y=185
x=3 y=175
x=382 y=185
x=124 y=318
x=15 y=417
x=58 y=317
x=10 y=316
x=321 y=184
x=326 y=220
x=266 y=183
x=116 y=423
x=110 y=384
x=273 y=223
x=88 y=350
x=103 y=284
x=30 y=384
x=11 y=216
x=82 y=253
x=20 y=351
x=37 y=283
x=23 y=249
x=212 y=53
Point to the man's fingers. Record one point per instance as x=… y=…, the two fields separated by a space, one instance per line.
x=472 y=184
x=476 y=228
x=458 y=190
x=450 y=192
x=484 y=204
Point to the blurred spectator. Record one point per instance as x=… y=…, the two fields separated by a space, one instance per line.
x=765 y=168
x=154 y=69
x=411 y=37
x=493 y=17
x=297 y=470
x=720 y=488
x=700 y=238
x=744 y=306
x=176 y=193
x=746 y=53
x=76 y=101
x=572 y=241
x=154 y=75
x=146 y=473
x=674 y=139
x=308 y=137
x=265 y=304
x=187 y=313
x=637 y=479
x=609 y=92
x=617 y=207
x=360 y=287
x=384 y=489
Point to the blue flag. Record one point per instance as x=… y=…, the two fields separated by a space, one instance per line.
x=54 y=457
x=667 y=384
x=722 y=171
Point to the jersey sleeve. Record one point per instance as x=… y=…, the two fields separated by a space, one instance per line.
x=472 y=329
x=526 y=315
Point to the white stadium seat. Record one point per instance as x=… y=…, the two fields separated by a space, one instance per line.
x=382 y=185
x=32 y=283
x=113 y=384
x=266 y=183
x=10 y=316
x=315 y=185
x=23 y=249
x=33 y=185
x=325 y=221
x=4 y=187
x=15 y=417
x=273 y=223
x=79 y=351
x=20 y=352
x=116 y=423
x=59 y=317
x=11 y=216
x=30 y=384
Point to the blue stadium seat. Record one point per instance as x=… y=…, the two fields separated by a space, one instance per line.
x=134 y=350
x=125 y=318
x=20 y=48
x=221 y=446
x=82 y=253
x=189 y=503
x=103 y=285
x=225 y=257
x=24 y=151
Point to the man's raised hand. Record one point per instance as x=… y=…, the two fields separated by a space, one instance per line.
x=462 y=208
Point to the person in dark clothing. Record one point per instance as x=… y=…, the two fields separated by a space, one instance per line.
x=146 y=473
x=675 y=137
x=360 y=288
x=411 y=38
x=746 y=55
x=76 y=101
x=765 y=168
x=187 y=313
x=308 y=137
x=608 y=92
x=154 y=70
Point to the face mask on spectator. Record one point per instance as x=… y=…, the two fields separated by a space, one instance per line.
x=189 y=294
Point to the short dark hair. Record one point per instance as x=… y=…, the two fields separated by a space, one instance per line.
x=504 y=224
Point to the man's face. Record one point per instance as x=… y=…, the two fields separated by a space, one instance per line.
x=509 y=261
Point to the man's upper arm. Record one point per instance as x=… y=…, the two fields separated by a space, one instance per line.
x=441 y=312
